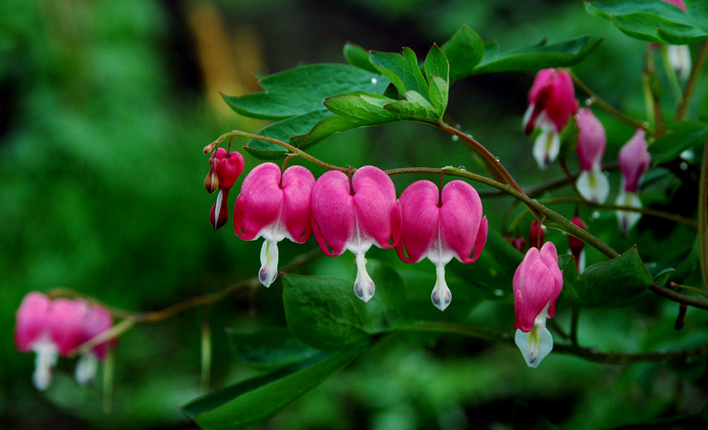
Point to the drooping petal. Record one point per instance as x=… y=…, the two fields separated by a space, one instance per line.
x=680 y=60
x=627 y=219
x=364 y=286
x=269 y=263
x=260 y=202
x=297 y=185
x=537 y=284
x=97 y=320
x=64 y=324
x=332 y=212
x=593 y=185
x=546 y=147
x=31 y=320
x=374 y=199
x=634 y=159
x=534 y=345
x=420 y=219
x=461 y=220
x=441 y=296
x=592 y=140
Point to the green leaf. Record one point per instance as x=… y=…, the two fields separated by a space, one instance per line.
x=540 y=56
x=570 y=290
x=363 y=106
x=301 y=90
x=655 y=21
x=358 y=57
x=437 y=70
x=248 y=403
x=269 y=348
x=436 y=64
x=621 y=281
x=326 y=314
x=464 y=51
x=415 y=107
x=402 y=70
x=684 y=136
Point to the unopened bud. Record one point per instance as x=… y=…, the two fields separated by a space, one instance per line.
x=211 y=182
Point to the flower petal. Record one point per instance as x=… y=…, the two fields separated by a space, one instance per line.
x=420 y=217
x=374 y=199
x=460 y=219
x=260 y=202
x=297 y=185
x=332 y=212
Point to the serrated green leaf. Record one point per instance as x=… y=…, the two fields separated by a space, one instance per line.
x=436 y=64
x=301 y=90
x=620 y=281
x=438 y=92
x=655 y=21
x=358 y=57
x=539 y=56
x=684 y=136
x=415 y=107
x=248 y=403
x=269 y=348
x=362 y=106
x=464 y=51
x=401 y=69
x=326 y=314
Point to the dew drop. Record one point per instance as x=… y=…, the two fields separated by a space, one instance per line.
x=455 y=138
x=596 y=215
x=683 y=166
x=498 y=293
x=462 y=168
x=373 y=80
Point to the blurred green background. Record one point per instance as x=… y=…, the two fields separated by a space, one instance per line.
x=105 y=107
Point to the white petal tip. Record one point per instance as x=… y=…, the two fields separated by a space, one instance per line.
x=534 y=345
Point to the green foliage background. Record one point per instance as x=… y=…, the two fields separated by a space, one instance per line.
x=104 y=109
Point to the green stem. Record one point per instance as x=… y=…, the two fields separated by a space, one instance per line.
x=605 y=106
x=590 y=354
x=295 y=151
x=693 y=78
x=671 y=74
x=206 y=352
x=606 y=206
x=703 y=217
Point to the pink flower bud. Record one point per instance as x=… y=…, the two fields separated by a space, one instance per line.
x=31 y=320
x=677 y=3
x=439 y=226
x=592 y=184
x=537 y=234
x=355 y=214
x=576 y=245
x=537 y=284
x=551 y=100
x=634 y=160
x=225 y=168
x=275 y=207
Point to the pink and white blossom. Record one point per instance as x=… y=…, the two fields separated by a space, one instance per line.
x=551 y=101
x=439 y=225
x=224 y=169
x=537 y=284
x=355 y=214
x=274 y=206
x=634 y=160
x=592 y=184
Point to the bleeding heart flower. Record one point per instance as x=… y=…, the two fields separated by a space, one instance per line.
x=355 y=214
x=275 y=207
x=592 y=184
x=441 y=225
x=56 y=328
x=551 y=102
x=537 y=284
x=224 y=168
x=634 y=160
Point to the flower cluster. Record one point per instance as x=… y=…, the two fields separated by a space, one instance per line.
x=551 y=105
x=357 y=211
x=53 y=328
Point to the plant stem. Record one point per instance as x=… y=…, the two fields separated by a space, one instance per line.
x=295 y=151
x=589 y=354
x=604 y=105
x=703 y=217
x=693 y=78
x=606 y=206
